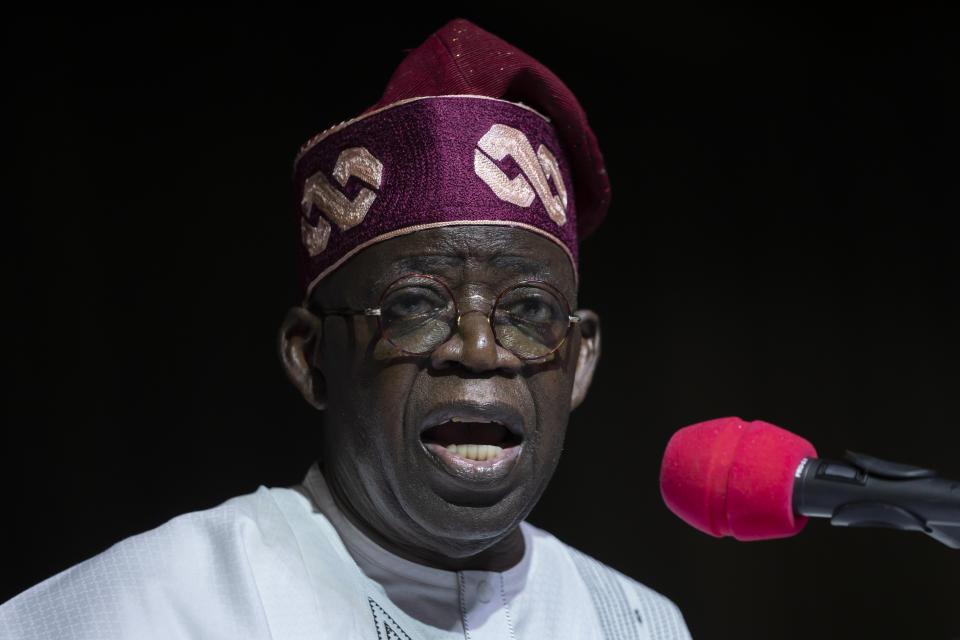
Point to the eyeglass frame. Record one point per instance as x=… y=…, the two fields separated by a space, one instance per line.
x=376 y=312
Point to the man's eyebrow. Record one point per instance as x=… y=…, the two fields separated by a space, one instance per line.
x=427 y=263
x=521 y=264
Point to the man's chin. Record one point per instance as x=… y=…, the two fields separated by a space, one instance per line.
x=466 y=508
x=462 y=522
x=467 y=538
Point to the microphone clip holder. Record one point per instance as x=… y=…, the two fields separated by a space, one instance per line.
x=864 y=491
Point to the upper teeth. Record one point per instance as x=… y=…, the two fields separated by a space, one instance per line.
x=459 y=419
x=476 y=451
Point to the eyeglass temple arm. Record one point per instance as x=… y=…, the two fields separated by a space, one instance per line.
x=349 y=312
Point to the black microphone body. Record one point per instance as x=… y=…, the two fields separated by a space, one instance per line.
x=863 y=491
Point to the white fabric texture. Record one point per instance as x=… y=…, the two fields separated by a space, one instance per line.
x=272 y=565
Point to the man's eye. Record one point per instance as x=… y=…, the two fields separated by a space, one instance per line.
x=532 y=309
x=404 y=304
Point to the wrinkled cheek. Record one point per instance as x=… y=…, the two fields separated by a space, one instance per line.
x=384 y=401
x=552 y=397
x=366 y=407
x=551 y=439
x=382 y=351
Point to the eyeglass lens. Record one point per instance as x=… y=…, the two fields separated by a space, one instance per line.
x=418 y=314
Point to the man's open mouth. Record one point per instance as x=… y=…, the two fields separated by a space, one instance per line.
x=474 y=442
x=472 y=438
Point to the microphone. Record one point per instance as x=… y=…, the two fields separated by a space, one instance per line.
x=756 y=481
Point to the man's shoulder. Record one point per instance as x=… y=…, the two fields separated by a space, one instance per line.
x=621 y=603
x=197 y=564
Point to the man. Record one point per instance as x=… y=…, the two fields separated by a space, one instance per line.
x=440 y=334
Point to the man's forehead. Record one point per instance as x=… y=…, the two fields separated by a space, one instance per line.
x=504 y=245
x=501 y=247
x=488 y=252
x=507 y=262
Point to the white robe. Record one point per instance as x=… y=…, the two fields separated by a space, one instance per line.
x=272 y=565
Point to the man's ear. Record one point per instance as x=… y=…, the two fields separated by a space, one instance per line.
x=299 y=345
x=589 y=327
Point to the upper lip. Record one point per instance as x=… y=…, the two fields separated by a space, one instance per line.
x=479 y=411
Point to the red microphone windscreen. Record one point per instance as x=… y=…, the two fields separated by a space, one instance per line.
x=728 y=477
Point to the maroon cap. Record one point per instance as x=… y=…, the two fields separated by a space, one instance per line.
x=462 y=58
x=469 y=131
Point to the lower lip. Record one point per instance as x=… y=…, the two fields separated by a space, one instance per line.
x=474 y=470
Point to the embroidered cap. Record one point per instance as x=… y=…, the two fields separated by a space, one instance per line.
x=470 y=130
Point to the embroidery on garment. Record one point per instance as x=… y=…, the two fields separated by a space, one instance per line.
x=356 y=162
x=618 y=621
x=536 y=171
x=387 y=627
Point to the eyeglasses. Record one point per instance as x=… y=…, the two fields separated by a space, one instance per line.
x=418 y=313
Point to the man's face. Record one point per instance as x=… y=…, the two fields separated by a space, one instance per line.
x=391 y=415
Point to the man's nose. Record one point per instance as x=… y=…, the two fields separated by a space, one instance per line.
x=474 y=347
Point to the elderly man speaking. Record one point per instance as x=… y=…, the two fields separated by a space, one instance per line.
x=440 y=333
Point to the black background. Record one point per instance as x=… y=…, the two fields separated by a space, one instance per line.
x=781 y=246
